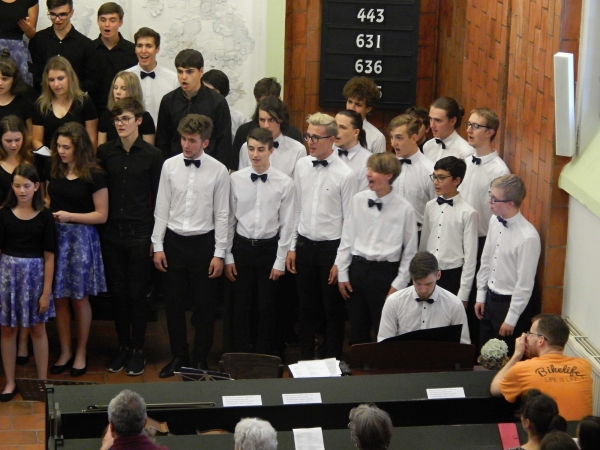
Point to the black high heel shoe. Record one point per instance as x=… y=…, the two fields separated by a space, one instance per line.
x=9 y=395
x=57 y=370
x=78 y=372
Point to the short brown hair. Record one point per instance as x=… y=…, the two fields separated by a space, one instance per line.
x=111 y=8
x=267 y=87
x=385 y=163
x=491 y=119
x=419 y=112
x=512 y=186
x=422 y=265
x=196 y=124
x=363 y=89
x=413 y=125
x=553 y=328
x=127 y=104
x=452 y=108
x=147 y=32
x=261 y=135
x=370 y=427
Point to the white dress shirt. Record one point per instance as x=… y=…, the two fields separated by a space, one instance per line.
x=450 y=234
x=323 y=196
x=154 y=89
x=414 y=183
x=375 y=138
x=475 y=188
x=261 y=210
x=283 y=158
x=386 y=235
x=357 y=160
x=192 y=200
x=237 y=119
x=402 y=313
x=509 y=263
x=455 y=146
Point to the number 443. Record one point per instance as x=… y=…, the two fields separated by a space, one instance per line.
x=371 y=15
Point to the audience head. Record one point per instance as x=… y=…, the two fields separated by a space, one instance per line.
x=507 y=187
x=125 y=84
x=445 y=115
x=539 y=414
x=11 y=80
x=110 y=19
x=547 y=332
x=361 y=94
x=272 y=114
x=487 y=122
x=382 y=170
x=255 y=434
x=320 y=135
x=370 y=427
x=418 y=112
x=404 y=135
x=350 y=130
x=216 y=80
x=195 y=131
x=424 y=272
x=147 y=46
x=71 y=147
x=558 y=440
x=448 y=173
x=588 y=433
x=15 y=139
x=267 y=87
x=25 y=178
x=127 y=414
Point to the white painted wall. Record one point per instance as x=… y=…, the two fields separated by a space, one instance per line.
x=231 y=34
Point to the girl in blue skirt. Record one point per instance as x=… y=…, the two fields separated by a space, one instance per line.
x=78 y=200
x=27 y=246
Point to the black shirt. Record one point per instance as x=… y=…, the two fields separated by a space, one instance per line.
x=10 y=14
x=120 y=57
x=175 y=106
x=27 y=238
x=241 y=136
x=76 y=47
x=74 y=196
x=132 y=179
x=20 y=107
x=107 y=125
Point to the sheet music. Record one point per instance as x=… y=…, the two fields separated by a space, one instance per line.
x=296 y=399
x=309 y=439
x=310 y=369
x=242 y=400
x=457 y=392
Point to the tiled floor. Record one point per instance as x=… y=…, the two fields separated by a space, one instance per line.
x=22 y=422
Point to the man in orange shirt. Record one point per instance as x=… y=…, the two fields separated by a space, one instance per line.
x=566 y=379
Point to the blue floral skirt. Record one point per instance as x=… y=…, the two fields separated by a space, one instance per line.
x=20 y=54
x=21 y=284
x=78 y=270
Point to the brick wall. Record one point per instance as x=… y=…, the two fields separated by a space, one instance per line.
x=503 y=59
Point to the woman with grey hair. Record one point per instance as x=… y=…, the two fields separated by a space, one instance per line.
x=370 y=427
x=255 y=434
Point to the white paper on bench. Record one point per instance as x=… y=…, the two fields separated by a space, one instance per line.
x=296 y=399
x=309 y=439
x=242 y=400
x=456 y=392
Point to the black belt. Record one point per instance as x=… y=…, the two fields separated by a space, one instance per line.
x=256 y=242
x=499 y=297
x=362 y=260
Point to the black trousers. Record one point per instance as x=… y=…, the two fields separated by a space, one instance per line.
x=126 y=254
x=371 y=281
x=496 y=308
x=450 y=280
x=314 y=260
x=188 y=260
x=253 y=265
x=472 y=319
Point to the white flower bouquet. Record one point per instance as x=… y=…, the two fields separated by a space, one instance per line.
x=493 y=354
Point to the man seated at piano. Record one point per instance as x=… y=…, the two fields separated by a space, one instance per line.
x=423 y=305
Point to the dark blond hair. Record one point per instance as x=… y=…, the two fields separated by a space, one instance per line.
x=320 y=119
x=385 y=163
x=413 y=124
x=491 y=119
x=512 y=186
x=74 y=92
x=196 y=124
x=132 y=87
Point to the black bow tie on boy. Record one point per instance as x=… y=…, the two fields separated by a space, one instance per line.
x=442 y=200
x=342 y=152
x=429 y=300
x=476 y=160
x=374 y=203
x=255 y=176
x=316 y=162
x=189 y=162
x=440 y=142
x=502 y=221
x=147 y=74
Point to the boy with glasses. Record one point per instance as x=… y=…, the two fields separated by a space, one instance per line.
x=133 y=172
x=64 y=40
x=508 y=265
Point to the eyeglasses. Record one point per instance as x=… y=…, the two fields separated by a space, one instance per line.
x=529 y=333
x=475 y=126
x=438 y=178
x=61 y=16
x=122 y=120
x=314 y=139
x=494 y=200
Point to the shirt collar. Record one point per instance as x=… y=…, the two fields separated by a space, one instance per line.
x=487 y=158
x=450 y=139
x=514 y=218
x=435 y=295
x=119 y=44
x=385 y=199
x=353 y=151
x=331 y=158
x=138 y=143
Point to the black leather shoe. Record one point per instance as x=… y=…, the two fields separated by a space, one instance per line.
x=174 y=366
x=56 y=370
x=202 y=365
x=78 y=372
x=10 y=395
x=22 y=360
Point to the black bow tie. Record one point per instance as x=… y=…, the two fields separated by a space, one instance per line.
x=476 y=160
x=316 y=162
x=342 y=152
x=429 y=300
x=502 y=221
x=439 y=141
x=442 y=200
x=255 y=176
x=374 y=203
x=405 y=161
x=276 y=144
x=188 y=162
x=147 y=74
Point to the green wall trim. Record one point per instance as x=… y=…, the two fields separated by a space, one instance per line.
x=275 y=60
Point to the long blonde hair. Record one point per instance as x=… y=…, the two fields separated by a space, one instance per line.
x=132 y=87
x=74 y=92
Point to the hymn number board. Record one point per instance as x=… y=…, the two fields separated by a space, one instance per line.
x=372 y=38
